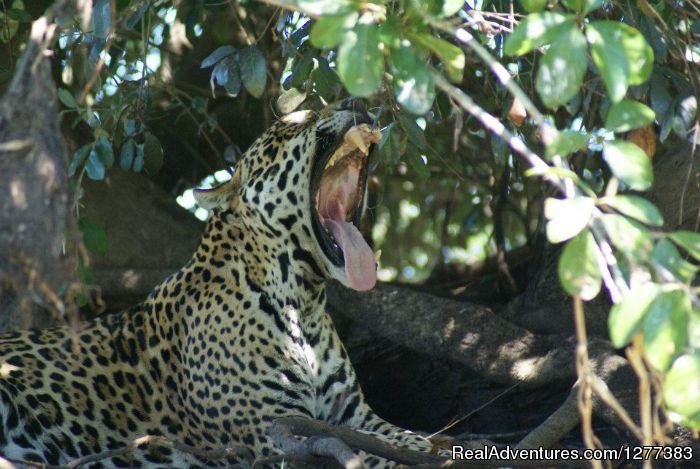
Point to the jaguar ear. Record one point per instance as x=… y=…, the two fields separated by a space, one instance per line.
x=218 y=196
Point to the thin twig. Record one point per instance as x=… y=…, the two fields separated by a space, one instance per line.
x=634 y=356
x=603 y=392
x=494 y=125
x=585 y=376
x=502 y=74
x=475 y=411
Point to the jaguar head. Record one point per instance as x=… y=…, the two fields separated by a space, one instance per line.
x=306 y=178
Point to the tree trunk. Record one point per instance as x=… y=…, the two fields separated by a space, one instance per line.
x=34 y=192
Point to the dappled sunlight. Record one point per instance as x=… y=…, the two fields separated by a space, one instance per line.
x=524 y=369
x=187 y=201
x=6 y=369
x=296 y=332
x=449 y=329
x=47 y=171
x=19 y=194
x=469 y=340
x=130 y=279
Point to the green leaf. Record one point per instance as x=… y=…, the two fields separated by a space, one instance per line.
x=639 y=53
x=609 y=56
x=66 y=97
x=630 y=238
x=621 y=54
x=139 y=159
x=450 y=7
x=152 y=154
x=253 y=70
x=302 y=68
x=415 y=160
x=561 y=70
x=233 y=79
x=635 y=207
x=94 y=237
x=682 y=389
x=567 y=217
x=19 y=14
x=694 y=330
x=625 y=318
x=390 y=32
x=666 y=259
x=451 y=56
x=536 y=30
x=567 y=142
x=534 y=6
x=665 y=328
x=627 y=115
x=234 y=82
x=389 y=147
x=94 y=167
x=218 y=54
x=78 y=158
x=414 y=86
x=688 y=240
x=104 y=150
x=220 y=73
x=126 y=154
x=414 y=133
x=582 y=6
x=629 y=164
x=360 y=63
x=579 y=273
x=328 y=31
x=326 y=81
x=131 y=127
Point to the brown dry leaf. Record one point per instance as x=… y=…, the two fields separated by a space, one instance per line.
x=517 y=113
x=644 y=138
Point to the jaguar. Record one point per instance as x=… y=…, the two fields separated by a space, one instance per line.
x=237 y=338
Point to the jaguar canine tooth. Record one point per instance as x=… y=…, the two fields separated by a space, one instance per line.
x=355 y=137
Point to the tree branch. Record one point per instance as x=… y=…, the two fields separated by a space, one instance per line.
x=482 y=341
x=283 y=428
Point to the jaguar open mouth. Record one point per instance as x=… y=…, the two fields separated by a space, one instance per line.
x=338 y=189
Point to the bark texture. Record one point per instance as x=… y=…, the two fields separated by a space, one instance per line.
x=34 y=200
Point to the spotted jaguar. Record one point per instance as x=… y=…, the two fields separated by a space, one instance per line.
x=235 y=339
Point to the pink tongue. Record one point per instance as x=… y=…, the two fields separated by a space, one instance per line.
x=360 y=265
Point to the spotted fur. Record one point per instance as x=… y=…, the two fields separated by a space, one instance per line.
x=235 y=339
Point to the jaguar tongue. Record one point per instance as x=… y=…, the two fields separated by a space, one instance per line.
x=360 y=265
